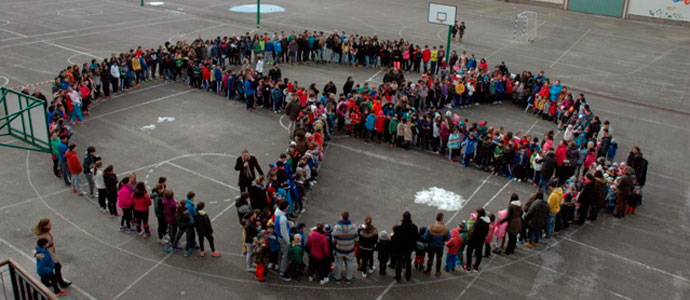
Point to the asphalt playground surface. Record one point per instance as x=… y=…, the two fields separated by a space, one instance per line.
x=634 y=74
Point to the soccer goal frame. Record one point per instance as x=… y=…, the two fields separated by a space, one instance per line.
x=23 y=118
x=525 y=27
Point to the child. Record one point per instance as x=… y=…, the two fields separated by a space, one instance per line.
x=634 y=200
x=500 y=231
x=383 y=247
x=273 y=248
x=259 y=247
x=295 y=255
x=420 y=252
x=453 y=246
x=490 y=235
x=204 y=230
x=45 y=267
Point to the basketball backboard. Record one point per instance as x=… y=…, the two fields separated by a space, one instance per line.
x=23 y=118
x=442 y=14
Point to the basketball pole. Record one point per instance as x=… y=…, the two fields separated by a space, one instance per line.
x=142 y=2
x=450 y=30
x=258 y=13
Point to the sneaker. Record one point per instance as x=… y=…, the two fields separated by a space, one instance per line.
x=350 y=281
x=61 y=293
x=215 y=253
x=311 y=278
x=276 y=267
x=528 y=245
x=364 y=274
x=140 y=233
x=270 y=266
x=323 y=281
x=162 y=241
x=82 y=193
x=202 y=253
x=169 y=249
x=283 y=278
x=372 y=269
x=303 y=210
x=130 y=230
x=188 y=253
x=251 y=270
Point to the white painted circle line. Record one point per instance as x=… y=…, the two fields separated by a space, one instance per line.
x=5 y=22
x=7 y=80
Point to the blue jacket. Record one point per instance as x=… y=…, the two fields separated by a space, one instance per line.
x=277 y=47
x=248 y=90
x=555 y=91
x=45 y=265
x=218 y=74
x=470 y=145
x=369 y=123
x=269 y=47
x=62 y=149
x=191 y=207
x=273 y=245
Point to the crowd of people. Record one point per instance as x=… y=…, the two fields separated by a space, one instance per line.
x=575 y=172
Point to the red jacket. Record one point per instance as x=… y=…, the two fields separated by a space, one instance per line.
x=317 y=243
x=561 y=152
x=73 y=162
x=206 y=73
x=142 y=203
x=379 y=123
x=356 y=117
x=426 y=55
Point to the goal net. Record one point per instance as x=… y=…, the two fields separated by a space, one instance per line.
x=525 y=27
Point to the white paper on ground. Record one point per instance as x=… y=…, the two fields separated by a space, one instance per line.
x=148 y=127
x=165 y=119
x=440 y=198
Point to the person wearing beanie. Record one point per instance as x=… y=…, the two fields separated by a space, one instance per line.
x=383 y=247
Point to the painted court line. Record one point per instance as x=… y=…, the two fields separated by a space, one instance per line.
x=203 y=176
x=497 y=193
x=388 y=288
x=475 y=279
x=648 y=267
x=138 y=105
x=129 y=287
x=571 y=47
x=470 y=198
x=573 y=277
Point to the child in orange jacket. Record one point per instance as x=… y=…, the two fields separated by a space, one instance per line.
x=453 y=246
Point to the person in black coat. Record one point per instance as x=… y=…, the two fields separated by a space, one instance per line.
x=639 y=164
x=586 y=198
x=204 y=229
x=248 y=166
x=403 y=242
x=548 y=168
x=476 y=240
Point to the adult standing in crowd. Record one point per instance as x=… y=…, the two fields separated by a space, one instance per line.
x=476 y=240
x=436 y=236
x=247 y=165
x=514 y=219
x=403 y=242
x=344 y=238
x=292 y=110
x=43 y=231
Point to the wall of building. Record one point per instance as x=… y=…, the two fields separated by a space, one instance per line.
x=678 y=10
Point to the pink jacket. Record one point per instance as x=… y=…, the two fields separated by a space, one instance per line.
x=318 y=245
x=501 y=228
x=490 y=235
x=454 y=243
x=124 y=197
